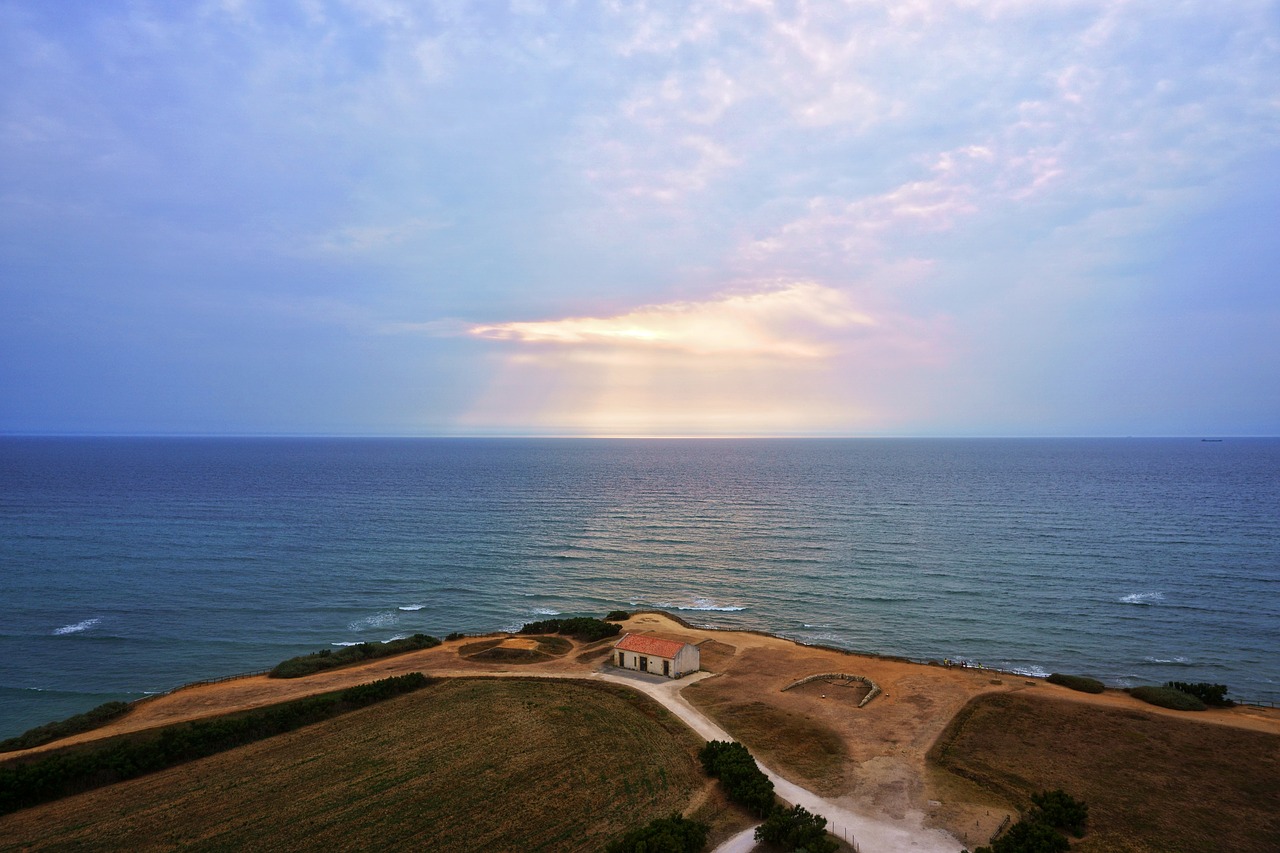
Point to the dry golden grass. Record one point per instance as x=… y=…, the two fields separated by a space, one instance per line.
x=792 y=743
x=468 y=764
x=1153 y=782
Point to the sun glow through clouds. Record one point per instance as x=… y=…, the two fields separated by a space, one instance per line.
x=768 y=361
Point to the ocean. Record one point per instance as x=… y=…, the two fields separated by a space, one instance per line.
x=129 y=566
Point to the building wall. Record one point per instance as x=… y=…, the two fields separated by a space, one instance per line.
x=687 y=660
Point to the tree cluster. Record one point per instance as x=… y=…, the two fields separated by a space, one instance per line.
x=1210 y=694
x=349 y=655
x=1077 y=682
x=743 y=781
x=583 y=628
x=673 y=834
x=1041 y=830
x=89 y=720
x=796 y=828
x=1167 y=697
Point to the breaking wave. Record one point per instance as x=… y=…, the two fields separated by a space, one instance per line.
x=378 y=620
x=1142 y=598
x=77 y=627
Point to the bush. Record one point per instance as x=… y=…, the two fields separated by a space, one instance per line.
x=1061 y=811
x=584 y=628
x=456 y=635
x=349 y=655
x=617 y=616
x=1077 y=682
x=88 y=721
x=673 y=834
x=796 y=829
x=743 y=781
x=60 y=774
x=1029 y=837
x=1209 y=694
x=1168 y=697
x=1037 y=832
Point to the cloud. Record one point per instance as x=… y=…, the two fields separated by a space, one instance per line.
x=794 y=321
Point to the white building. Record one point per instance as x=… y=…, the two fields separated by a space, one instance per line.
x=659 y=656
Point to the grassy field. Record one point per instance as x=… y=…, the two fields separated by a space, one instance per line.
x=468 y=764
x=793 y=744
x=1152 y=782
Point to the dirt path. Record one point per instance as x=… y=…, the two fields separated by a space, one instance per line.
x=870 y=834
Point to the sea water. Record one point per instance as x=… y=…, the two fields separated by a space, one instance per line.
x=129 y=566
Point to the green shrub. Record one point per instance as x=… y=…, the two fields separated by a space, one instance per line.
x=456 y=635
x=349 y=655
x=1029 y=837
x=796 y=829
x=59 y=774
x=584 y=628
x=1038 y=831
x=1210 y=694
x=1167 y=697
x=1077 y=682
x=673 y=834
x=743 y=781
x=617 y=616
x=88 y=721
x=1061 y=811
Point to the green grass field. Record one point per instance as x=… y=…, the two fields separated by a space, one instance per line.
x=1153 y=783
x=467 y=764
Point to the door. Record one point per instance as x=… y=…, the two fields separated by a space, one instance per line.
x=666 y=668
x=644 y=664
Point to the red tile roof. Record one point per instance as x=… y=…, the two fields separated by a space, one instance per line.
x=647 y=645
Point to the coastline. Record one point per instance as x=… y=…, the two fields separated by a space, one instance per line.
x=881 y=768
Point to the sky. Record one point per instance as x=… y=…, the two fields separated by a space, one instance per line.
x=373 y=217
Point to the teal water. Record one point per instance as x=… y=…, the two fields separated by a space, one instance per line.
x=129 y=566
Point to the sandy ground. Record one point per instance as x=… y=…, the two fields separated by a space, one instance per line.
x=884 y=787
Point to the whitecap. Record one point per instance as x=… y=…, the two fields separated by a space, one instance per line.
x=1030 y=671
x=1142 y=597
x=705 y=604
x=77 y=627
x=396 y=637
x=345 y=644
x=411 y=607
x=545 y=611
x=1173 y=660
x=378 y=620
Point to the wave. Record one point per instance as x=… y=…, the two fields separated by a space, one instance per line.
x=1175 y=661
x=77 y=627
x=700 y=603
x=1030 y=671
x=545 y=611
x=378 y=620
x=1142 y=598
x=411 y=607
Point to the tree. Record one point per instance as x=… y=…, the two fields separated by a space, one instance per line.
x=796 y=829
x=673 y=834
x=1061 y=811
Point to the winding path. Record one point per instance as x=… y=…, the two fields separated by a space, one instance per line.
x=867 y=834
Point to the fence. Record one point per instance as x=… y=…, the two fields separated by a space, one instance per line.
x=202 y=682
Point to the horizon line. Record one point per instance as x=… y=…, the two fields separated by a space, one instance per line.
x=635 y=436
